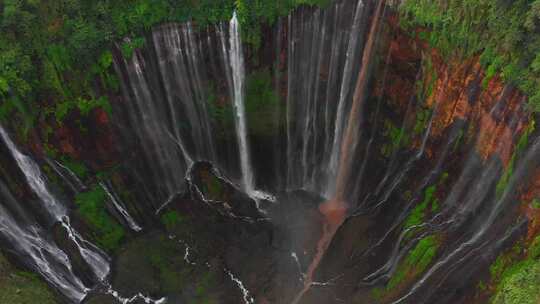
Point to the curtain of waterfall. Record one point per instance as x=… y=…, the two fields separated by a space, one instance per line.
x=324 y=53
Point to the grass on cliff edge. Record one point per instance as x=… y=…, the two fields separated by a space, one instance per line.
x=504 y=34
x=517 y=282
x=17 y=287
x=55 y=55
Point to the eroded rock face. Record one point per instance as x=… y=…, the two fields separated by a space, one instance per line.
x=475 y=126
x=89 y=137
x=211 y=185
x=206 y=248
x=458 y=90
x=212 y=242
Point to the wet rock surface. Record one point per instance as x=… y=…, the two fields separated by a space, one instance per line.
x=203 y=250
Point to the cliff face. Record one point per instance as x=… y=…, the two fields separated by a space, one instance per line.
x=494 y=127
x=439 y=142
x=458 y=90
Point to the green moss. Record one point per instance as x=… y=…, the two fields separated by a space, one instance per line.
x=519 y=284
x=377 y=293
x=170 y=265
x=91 y=206
x=397 y=138
x=76 y=167
x=504 y=261
x=535 y=203
x=129 y=46
x=204 y=284
x=156 y=263
x=425 y=87
x=422 y=120
x=262 y=104
x=429 y=203
x=515 y=274
x=213 y=188
x=85 y=106
x=504 y=33
x=422 y=255
x=17 y=287
x=416 y=262
x=534 y=249
x=171 y=219
x=221 y=113
x=518 y=150
x=481 y=286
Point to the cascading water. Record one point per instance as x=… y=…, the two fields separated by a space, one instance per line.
x=132 y=224
x=335 y=209
x=44 y=255
x=147 y=117
x=67 y=175
x=178 y=125
x=357 y=180
x=318 y=90
x=95 y=258
x=35 y=248
x=237 y=68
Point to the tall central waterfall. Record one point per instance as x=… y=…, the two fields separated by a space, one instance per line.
x=238 y=73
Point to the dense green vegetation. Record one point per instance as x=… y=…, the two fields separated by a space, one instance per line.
x=171 y=219
x=17 y=287
x=516 y=279
x=77 y=168
x=397 y=138
x=518 y=150
x=429 y=203
x=55 y=56
x=262 y=104
x=416 y=262
x=505 y=34
x=158 y=264
x=91 y=206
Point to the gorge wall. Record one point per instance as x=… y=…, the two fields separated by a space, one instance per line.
x=207 y=179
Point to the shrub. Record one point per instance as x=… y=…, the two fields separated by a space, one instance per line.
x=91 y=206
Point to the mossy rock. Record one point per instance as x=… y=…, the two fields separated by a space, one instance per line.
x=156 y=265
x=18 y=287
x=102 y=299
x=519 y=284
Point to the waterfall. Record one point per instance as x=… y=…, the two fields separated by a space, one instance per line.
x=323 y=55
x=147 y=118
x=35 y=180
x=179 y=124
x=237 y=66
x=94 y=257
x=132 y=224
x=35 y=249
x=69 y=177
x=344 y=92
x=351 y=136
x=334 y=210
